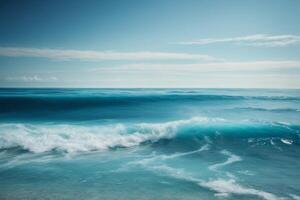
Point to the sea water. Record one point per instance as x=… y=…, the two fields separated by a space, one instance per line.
x=149 y=144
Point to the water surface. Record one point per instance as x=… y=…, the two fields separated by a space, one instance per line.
x=149 y=144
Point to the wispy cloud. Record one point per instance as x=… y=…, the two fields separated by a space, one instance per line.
x=263 y=65
x=32 y=78
x=99 y=55
x=251 y=40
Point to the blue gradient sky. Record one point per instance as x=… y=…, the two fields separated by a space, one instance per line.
x=139 y=43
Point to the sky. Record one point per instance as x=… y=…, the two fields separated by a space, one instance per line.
x=150 y=44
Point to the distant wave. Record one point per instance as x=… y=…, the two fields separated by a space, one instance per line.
x=78 y=138
x=268 y=109
x=61 y=102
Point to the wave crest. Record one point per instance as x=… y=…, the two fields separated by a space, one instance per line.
x=77 y=138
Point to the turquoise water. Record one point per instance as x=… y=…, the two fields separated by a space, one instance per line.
x=149 y=144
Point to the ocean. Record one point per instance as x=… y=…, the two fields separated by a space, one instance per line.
x=149 y=144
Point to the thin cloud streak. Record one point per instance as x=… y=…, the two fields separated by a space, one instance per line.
x=99 y=55
x=251 y=40
x=209 y=67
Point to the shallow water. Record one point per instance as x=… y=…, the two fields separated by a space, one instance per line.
x=149 y=144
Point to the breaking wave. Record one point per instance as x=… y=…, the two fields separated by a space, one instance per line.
x=79 y=138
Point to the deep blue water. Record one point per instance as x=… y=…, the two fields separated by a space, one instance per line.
x=149 y=144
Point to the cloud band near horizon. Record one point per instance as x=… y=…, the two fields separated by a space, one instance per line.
x=99 y=55
x=261 y=40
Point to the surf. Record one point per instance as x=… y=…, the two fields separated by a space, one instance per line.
x=69 y=138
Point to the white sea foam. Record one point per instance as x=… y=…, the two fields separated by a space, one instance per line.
x=246 y=172
x=231 y=159
x=176 y=155
x=287 y=141
x=174 y=172
x=26 y=158
x=75 y=138
x=295 y=197
x=224 y=187
x=154 y=158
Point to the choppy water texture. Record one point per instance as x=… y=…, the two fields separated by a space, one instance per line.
x=149 y=144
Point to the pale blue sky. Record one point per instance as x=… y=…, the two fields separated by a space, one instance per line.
x=141 y=43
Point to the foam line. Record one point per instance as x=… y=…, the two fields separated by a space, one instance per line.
x=221 y=186
x=154 y=158
x=231 y=187
x=232 y=158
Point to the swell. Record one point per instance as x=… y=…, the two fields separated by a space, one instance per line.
x=79 y=138
x=280 y=110
x=66 y=102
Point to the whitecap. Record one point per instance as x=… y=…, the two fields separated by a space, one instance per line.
x=286 y=141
